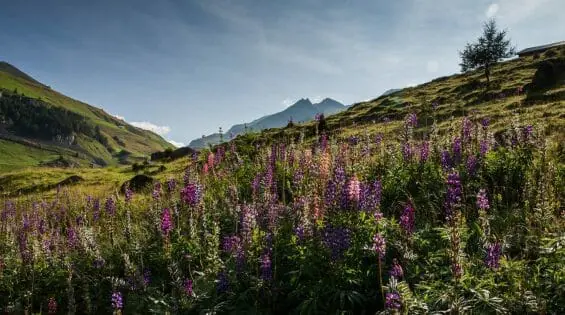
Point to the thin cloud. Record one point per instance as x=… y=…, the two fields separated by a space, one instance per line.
x=176 y=144
x=491 y=10
x=160 y=130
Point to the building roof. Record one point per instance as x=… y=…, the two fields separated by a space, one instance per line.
x=540 y=48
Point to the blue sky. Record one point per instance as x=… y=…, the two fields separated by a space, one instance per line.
x=185 y=68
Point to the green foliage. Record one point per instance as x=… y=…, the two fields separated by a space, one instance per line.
x=489 y=49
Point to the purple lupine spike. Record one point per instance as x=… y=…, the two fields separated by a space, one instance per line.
x=407 y=219
x=393 y=301
x=110 y=206
x=407 y=152
x=156 y=191
x=128 y=195
x=223 y=283
x=527 y=132
x=337 y=240
x=411 y=120
x=424 y=151
x=396 y=270
x=96 y=209
x=187 y=287
x=146 y=277
x=117 y=301
x=330 y=194
x=484 y=147
x=166 y=222
x=456 y=150
x=494 y=252
x=266 y=267
x=472 y=163
x=485 y=123
x=171 y=185
x=482 y=200
x=467 y=129
x=72 y=238
x=191 y=194
x=454 y=193
x=445 y=160
x=379 y=245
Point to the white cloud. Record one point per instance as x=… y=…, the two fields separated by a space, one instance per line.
x=492 y=10
x=160 y=130
x=119 y=117
x=176 y=144
x=432 y=66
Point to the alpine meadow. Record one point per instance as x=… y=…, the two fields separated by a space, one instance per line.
x=446 y=197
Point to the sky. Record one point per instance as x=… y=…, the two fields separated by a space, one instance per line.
x=185 y=68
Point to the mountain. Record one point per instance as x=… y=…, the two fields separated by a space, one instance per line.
x=301 y=111
x=40 y=126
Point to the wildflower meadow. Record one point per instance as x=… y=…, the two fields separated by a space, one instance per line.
x=457 y=222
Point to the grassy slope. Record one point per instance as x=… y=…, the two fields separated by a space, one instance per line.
x=456 y=98
x=137 y=141
x=454 y=101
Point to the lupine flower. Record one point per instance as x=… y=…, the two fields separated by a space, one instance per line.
x=407 y=219
x=231 y=243
x=171 y=185
x=210 y=162
x=331 y=193
x=393 y=301
x=379 y=245
x=482 y=200
x=467 y=129
x=445 y=160
x=424 y=151
x=370 y=196
x=337 y=240
x=72 y=239
x=248 y=222
x=527 y=132
x=110 y=206
x=166 y=222
x=492 y=260
x=146 y=277
x=353 y=189
x=117 y=301
x=96 y=209
x=456 y=149
x=128 y=194
x=187 y=286
x=191 y=194
x=52 y=306
x=157 y=191
x=266 y=271
x=485 y=123
x=223 y=283
x=396 y=270
x=484 y=147
x=472 y=163
x=407 y=151
x=454 y=193
x=411 y=120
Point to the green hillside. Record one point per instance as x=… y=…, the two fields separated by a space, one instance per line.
x=525 y=89
x=35 y=116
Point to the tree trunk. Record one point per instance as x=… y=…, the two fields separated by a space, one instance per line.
x=487 y=73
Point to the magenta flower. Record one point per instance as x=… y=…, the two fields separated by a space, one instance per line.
x=191 y=194
x=166 y=222
x=51 y=306
x=492 y=260
x=266 y=271
x=187 y=286
x=396 y=270
x=117 y=301
x=379 y=245
x=482 y=200
x=407 y=219
x=393 y=301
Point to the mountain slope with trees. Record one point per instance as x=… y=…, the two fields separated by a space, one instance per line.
x=34 y=115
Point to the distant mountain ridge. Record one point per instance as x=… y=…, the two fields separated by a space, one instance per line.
x=46 y=126
x=301 y=111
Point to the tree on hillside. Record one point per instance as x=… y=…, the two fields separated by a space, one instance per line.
x=489 y=49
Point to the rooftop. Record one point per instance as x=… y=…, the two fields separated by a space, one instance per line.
x=540 y=48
